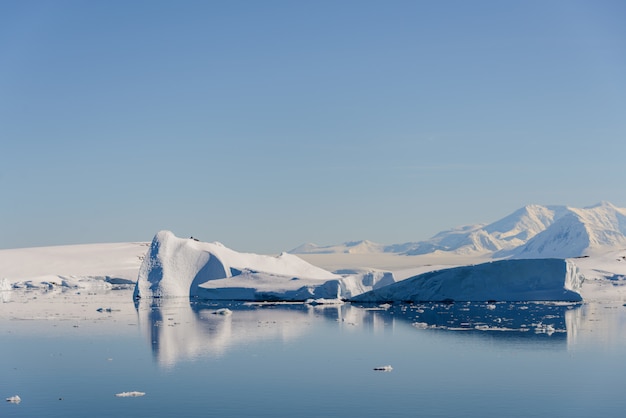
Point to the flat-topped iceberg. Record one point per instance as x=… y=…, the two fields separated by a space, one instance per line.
x=177 y=267
x=504 y=280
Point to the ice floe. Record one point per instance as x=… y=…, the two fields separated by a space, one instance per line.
x=132 y=394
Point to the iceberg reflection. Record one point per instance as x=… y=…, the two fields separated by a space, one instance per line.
x=599 y=323
x=532 y=318
x=181 y=330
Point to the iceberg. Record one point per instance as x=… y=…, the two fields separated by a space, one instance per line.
x=504 y=280
x=178 y=267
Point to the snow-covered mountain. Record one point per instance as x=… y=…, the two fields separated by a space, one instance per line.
x=576 y=233
x=351 y=247
x=505 y=234
x=533 y=231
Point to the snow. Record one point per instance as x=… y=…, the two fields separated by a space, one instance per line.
x=506 y=280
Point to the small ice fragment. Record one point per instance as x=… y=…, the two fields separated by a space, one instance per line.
x=14 y=399
x=541 y=328
x=323 y=301
x=383 y=368
x=223 y=311
x=129 y=394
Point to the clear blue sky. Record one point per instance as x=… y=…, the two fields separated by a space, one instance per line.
x=267 y=124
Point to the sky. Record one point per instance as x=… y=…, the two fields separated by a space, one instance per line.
x=267 y=124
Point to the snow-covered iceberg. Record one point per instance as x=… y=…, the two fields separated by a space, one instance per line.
x=177 y=267
x=505 y=280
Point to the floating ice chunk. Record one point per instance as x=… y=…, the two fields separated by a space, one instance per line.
x=383 y=368
x=541 y=328
x=132 y=394
x=324 y=301
x=494 y=328
x=14 y=399
x=223 y=311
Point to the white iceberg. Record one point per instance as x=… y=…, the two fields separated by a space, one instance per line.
x=177 y=267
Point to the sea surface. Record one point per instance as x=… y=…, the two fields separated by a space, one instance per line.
x=69 y=354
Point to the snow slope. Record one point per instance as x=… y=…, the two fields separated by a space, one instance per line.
x=506 y=280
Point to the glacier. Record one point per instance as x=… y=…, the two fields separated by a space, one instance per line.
x=504 y=280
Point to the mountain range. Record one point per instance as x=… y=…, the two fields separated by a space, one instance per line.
x=534 y=231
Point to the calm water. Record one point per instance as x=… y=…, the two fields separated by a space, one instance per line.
x=461 y=360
